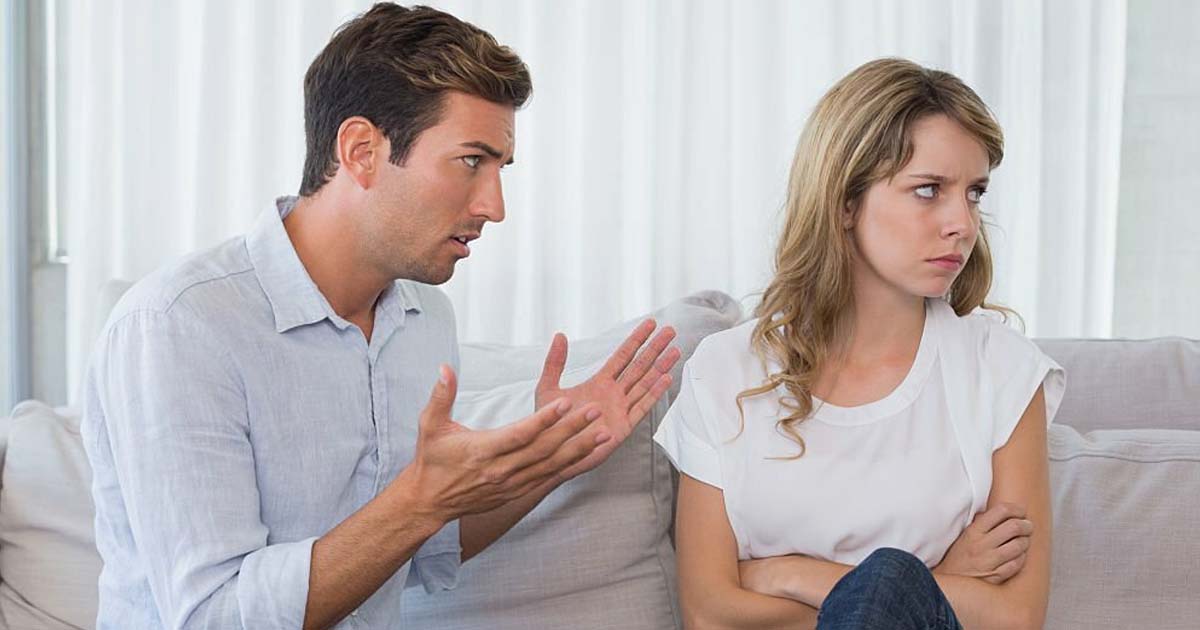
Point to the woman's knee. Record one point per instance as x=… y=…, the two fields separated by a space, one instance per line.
x=891 y=588
x=886 y=572
x=889 y=561
x=897 y=571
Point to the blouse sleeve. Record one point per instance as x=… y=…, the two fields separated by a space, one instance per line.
x=686 y=437
x=1016 y=367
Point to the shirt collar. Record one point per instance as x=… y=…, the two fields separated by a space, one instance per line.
x=294 y=297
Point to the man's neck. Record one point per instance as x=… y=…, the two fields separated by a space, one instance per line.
x=328 y=247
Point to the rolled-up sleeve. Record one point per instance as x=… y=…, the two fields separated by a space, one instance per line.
x=436 y=563
x=174 y=428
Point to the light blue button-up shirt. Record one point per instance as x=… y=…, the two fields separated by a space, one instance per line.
x=231 y=417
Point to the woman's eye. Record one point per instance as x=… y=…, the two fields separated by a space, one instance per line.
x=928 y=191
x=471 y=161
x=975 y=195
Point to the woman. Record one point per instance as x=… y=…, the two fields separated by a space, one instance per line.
x=873 y=444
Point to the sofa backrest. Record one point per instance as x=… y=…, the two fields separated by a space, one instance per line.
x=1129 y=384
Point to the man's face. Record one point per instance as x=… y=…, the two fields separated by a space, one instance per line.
x=913 y=233
x=421 y=215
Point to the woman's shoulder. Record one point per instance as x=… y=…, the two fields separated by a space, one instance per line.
x=731 y=344
x=726 y=353
x=991 y=336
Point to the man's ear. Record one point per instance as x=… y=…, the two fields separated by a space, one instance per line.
x=359 y=145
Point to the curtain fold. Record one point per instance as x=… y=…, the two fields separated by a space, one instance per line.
x=651 y=161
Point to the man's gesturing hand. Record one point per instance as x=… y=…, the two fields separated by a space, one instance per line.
x=458 y=471
x=625 y=389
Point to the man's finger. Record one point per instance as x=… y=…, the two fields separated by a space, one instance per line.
x=662 y=366
x=556 y=362
x=646 y=403
x=551 y=440
x=504 y=440
x=571 y=440
x=441 y=399
x=632 y=374
x=627 y=350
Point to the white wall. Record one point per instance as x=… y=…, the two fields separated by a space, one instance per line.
x=1158 y=234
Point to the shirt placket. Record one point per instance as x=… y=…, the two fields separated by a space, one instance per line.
x=379 y=416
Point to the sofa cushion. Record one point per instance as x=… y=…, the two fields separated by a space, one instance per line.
x=1125 y=538
x=48 y=559
x=1128 y=384
x=596 y=553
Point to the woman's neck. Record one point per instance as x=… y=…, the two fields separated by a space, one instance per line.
x=884 y=323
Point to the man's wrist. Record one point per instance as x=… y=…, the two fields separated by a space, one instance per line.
x=418 y=511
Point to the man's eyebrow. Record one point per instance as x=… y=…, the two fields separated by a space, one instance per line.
x=486 y=148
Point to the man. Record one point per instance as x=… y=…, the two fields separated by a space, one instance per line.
x=266 y=452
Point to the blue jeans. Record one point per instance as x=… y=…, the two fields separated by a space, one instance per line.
x=891 y=589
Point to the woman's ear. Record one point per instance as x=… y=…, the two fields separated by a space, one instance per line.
x=849 y=215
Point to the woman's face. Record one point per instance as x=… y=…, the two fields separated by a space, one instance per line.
x=914 y=232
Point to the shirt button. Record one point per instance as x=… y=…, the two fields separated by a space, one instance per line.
x=355 y=613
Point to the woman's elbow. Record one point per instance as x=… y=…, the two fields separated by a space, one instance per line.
x=696 y=615
x=1021 y=616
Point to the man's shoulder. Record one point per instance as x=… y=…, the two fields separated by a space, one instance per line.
x=206 y=280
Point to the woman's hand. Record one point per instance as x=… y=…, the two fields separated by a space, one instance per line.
x=993 y=547
x=766 y=576
x=796 y=577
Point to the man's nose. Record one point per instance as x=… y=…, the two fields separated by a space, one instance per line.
x=489 y=201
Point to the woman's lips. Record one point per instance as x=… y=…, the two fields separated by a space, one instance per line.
x=949 y=264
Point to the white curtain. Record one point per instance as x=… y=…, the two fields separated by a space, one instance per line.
x=651 y=161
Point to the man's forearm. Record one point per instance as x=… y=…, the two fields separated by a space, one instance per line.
x=477 y=531
x=355 y=558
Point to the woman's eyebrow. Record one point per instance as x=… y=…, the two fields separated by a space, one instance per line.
x=942 y=179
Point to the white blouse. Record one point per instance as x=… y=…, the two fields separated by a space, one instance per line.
x=908 y=471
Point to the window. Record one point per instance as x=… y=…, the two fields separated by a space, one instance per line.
x=14 y=281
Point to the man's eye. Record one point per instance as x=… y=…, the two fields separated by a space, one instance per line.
x=471 y=161
x=975 y=195
x=928 y=191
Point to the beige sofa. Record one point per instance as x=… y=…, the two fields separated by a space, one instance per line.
x=1125 y=467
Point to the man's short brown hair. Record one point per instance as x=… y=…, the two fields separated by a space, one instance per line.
x=391 y=65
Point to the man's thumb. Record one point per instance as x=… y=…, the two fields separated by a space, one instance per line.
x=441 y=399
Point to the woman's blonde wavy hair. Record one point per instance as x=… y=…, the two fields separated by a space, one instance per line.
x=859 y=133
